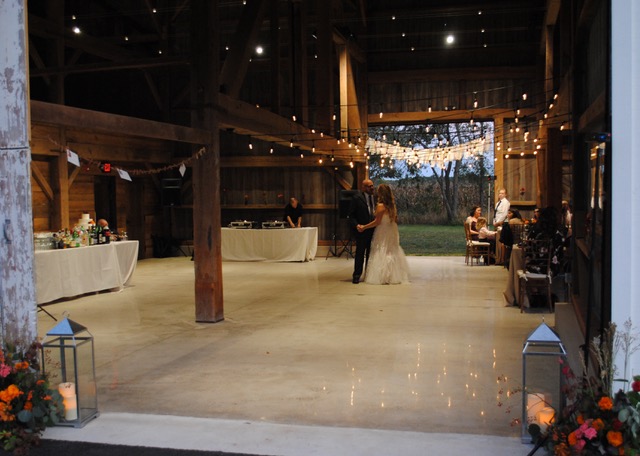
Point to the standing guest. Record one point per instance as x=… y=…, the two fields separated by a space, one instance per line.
x=361 y=212
x=566 y=216
x=293 y=214
x=501 y=209
x=387 y=263
x=472 y=221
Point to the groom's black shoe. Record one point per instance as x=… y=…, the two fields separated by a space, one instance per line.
x=356 y=279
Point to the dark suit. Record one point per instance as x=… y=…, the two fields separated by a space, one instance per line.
x=359 y=215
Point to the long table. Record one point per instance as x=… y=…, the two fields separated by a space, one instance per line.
x=288 y=244
x=71 y=272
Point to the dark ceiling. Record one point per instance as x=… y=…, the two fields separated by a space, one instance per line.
x=132 y=56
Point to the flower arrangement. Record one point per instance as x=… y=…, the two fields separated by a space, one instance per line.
x=27 y=404
x=596 y=421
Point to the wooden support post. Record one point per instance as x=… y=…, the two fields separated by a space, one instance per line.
x=17 y=289
x=206 y=169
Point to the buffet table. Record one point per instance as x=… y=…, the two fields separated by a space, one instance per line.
x=288 y=244
x=71 y=272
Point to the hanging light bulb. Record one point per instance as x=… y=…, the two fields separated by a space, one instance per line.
x=524 y=96
x=291 y=143
x=313 y=147
x=506 y=156
x=429 y=108
x=293 y=117
x=250 y=145
x=320 y=160
x=271 y=150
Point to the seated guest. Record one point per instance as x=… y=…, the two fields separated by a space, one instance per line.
x=514 y=217
x=536 y=215
x=472 y=221
x=293 y=214
x=549 y=227
x=485 y=234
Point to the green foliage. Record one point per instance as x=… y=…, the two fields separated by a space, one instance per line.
x=27 y=404
x=432 y=240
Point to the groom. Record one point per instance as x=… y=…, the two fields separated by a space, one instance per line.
x=360 y=213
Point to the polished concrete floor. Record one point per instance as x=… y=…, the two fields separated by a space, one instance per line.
x=306 y=362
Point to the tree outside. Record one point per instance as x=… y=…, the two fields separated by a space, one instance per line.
x=438 y=172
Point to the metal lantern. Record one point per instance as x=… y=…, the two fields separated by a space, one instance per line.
x=68 y=360
x=543 y=357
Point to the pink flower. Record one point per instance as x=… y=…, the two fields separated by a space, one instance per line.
x=4 y=370
x=590 y=433
x=635 y=386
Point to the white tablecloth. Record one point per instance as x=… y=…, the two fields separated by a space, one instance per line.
x=288 y=244
x=72 y=272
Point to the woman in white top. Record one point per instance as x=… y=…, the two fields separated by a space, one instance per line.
x=387 y=262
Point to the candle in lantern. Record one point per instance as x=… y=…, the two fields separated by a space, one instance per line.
x=545 y=417
x=68 y=392
x=535 y=403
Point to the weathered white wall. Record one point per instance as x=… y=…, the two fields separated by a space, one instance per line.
x=625 y=198
x=17 y=291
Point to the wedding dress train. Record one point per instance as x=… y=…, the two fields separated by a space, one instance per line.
x=387 y=262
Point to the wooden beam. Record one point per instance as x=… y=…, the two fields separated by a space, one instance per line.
x=452 y=74
x=247 y=119
x=42 y=181
x=209 y=304
x=458 y=115
x=282 y=162
x=128 y=64
x=54 y=114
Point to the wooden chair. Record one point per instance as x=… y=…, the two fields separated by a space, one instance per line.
x=475 y=249
x=536 y=278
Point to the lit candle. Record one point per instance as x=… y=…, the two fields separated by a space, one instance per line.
x=68 y=392
x=535 y=403
x=545 y=417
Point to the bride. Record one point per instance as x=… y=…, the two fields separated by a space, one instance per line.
x=387 y=263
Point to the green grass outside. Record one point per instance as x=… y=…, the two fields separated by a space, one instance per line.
x=434 y=240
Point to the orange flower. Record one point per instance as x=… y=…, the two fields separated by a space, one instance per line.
x=28 y=406
x=40 y=382
x=605 y=403
x=580 y=419
x=598 y=424
x=22 y=365
x=572 y=439
x=10 y=393
x=5 y=412
x=614 y=438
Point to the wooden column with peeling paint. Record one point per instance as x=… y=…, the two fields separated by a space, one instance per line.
x=18 y=311
x=206 y=169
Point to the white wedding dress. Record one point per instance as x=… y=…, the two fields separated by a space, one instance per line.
x=387 y=262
